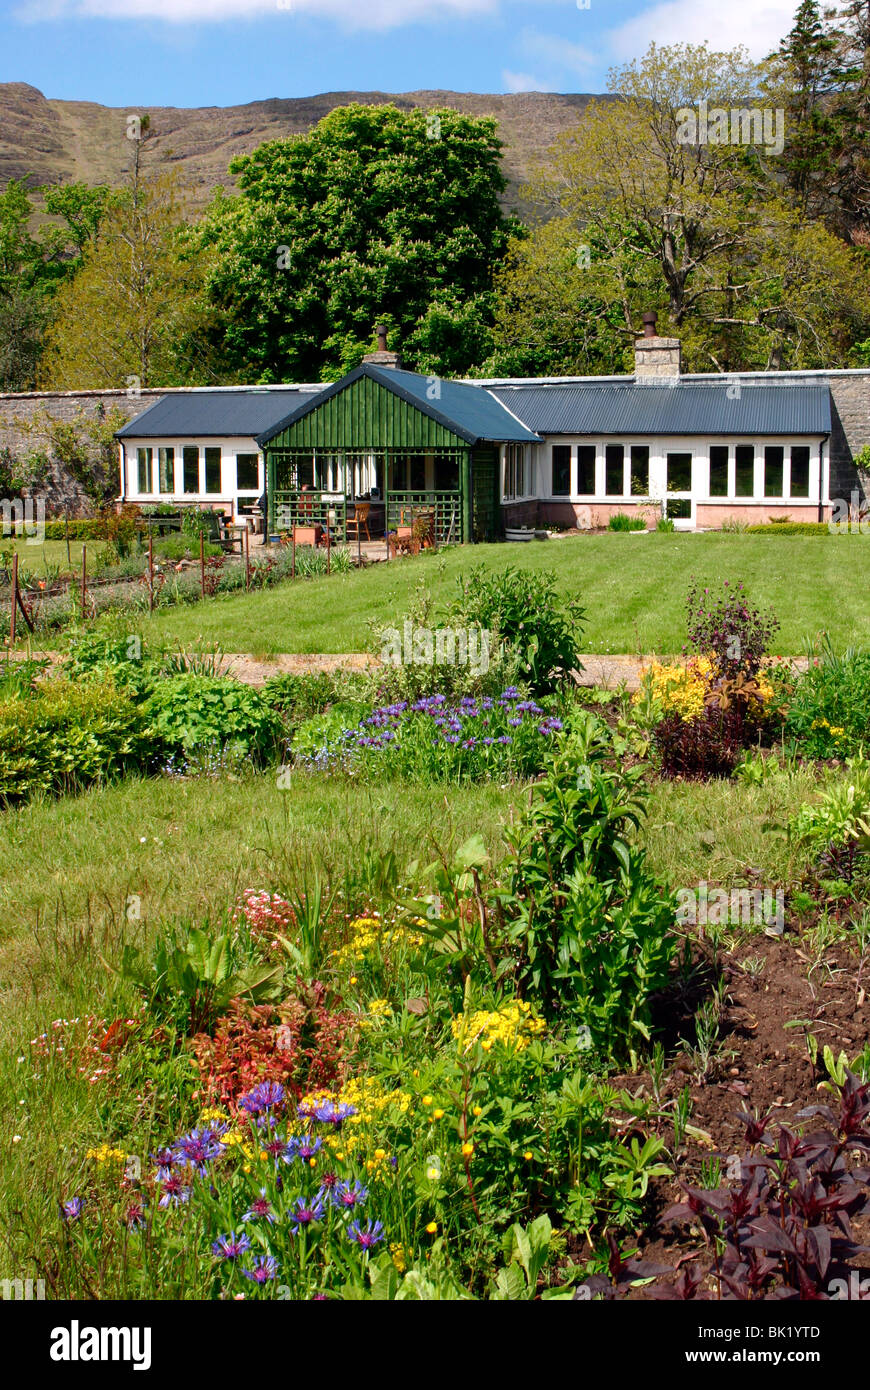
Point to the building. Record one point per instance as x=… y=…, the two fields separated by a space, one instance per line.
x=480 y=456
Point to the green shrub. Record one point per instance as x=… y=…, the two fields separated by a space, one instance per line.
x=827 y=708
x=590 y=927
x=192 y=711
x=68 y=736
x=539 y=627
x=621 y=521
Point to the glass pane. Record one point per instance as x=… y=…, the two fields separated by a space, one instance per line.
x=744 y=470
x=166 y=469
x=561 y=479
x=446 y=473
x=143 y=462
x=586 y=470
x=212 y=470
x=719 y=470
x=418 y=473
x=773 y=470
x=614 y=481
x=190 y=467
x=800 y=470
x=679 y=472
x=640 y=470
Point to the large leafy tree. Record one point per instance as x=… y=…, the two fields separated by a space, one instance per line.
x=376 y=215
x=703 y=232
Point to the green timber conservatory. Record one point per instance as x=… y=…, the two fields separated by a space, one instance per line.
x=385 y=451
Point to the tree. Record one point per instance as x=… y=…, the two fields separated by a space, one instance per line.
x=376 y=215
x=131 y=314
x=692 y=220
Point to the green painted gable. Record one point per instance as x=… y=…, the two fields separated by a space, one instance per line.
x=366 y=415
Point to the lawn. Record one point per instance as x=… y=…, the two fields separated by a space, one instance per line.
x=633 y=588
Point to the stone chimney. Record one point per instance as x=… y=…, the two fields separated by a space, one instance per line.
x=383 y=357
x=655 y=357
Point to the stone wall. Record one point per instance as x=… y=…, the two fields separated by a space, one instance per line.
x=22 y=431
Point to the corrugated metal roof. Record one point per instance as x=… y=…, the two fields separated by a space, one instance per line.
x=631 y=408
x=468 y=411
x=207 y=414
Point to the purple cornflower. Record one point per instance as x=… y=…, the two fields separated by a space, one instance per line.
x=265 y=1268
x=260 y=1209
x=231 y=1246
x=349 y=1195
x=72 y=1210
x=305 y=1212
x=199 y=1147
x=174 y=1192
x=366 y=1236
x=267 y=1096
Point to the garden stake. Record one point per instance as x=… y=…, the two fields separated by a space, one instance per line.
x=14 y=605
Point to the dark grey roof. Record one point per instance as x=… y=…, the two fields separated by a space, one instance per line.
x=469 y=411
x=687 y=408
x=202 y=414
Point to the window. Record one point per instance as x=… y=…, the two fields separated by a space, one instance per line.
x=166 y=469
x=719 y=470
x=212 y=470
x=515 y=471
x=640 y=470
x=614 y=470
x=248 y=472
x=679 y=472
x=190 y=468
x=800 y=470
x=561 y=478
x=586 y=470
x=144 y=459
x=744 y=470
x=773 y=470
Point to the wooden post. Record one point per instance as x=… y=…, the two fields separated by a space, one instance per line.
x=14 y=599
x=247 y=560
x=202 y=563
x=84 y=579
x=151 y=572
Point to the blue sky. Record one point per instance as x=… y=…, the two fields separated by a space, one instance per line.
x=128 y=53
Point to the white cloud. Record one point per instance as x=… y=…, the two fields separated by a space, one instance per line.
x=757 y=26
x=556 y=52
x=525 y=82
x=351 y=14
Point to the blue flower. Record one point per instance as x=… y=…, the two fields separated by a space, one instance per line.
x=265 y=1268
x=366 y=1236
x=231 y=1246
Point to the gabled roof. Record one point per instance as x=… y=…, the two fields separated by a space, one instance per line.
x=225 y=414
x=631 y=407
x=471 y=412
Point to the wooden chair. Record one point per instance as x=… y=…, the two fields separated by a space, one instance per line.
x=358 y=521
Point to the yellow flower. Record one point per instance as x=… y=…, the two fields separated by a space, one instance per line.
x=432 y=1228
x=467 y=1149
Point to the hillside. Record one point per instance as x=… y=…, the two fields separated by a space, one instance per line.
x=46 y=141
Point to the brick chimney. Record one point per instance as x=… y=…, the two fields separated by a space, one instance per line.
x=383 y=357
x=655 y=357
